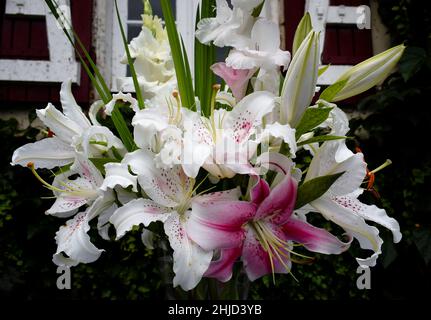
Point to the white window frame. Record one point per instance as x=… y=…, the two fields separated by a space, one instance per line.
x=322 y=13
x=185 y=17
x=61 y=53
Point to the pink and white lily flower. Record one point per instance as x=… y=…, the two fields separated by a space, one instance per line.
x=222 y=144
x=268 y=234
x=171 y=201
x=340 y=204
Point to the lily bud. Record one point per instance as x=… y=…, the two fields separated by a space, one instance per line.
x=368 y=73
x=303 y=29
x=300 y=82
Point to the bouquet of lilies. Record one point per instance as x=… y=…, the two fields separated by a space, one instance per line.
x=229 y=174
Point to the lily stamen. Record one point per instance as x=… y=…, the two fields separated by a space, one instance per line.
x=30 y=165
x=67 y=188
x=275 y=247
x=388 y=162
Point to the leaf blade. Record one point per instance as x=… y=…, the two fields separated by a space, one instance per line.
x=314 y=189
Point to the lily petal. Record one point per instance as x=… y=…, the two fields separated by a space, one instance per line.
x=314 y=239
x=248 y=114
x=73 y=240
x=236 y=79
x=218 y=224
x=354 y=225
x=63 y=127
x=190 y=260
x=260 y=191
x=96 y=141
x=274 y=161
x=221 y=269
x=324 y=163
x=284 y=132
x=117 y=174
x=47 y=153
x=281 y=201
x=136 y=212
x=167 y=187
x=370 y=212
x=71 y=108
x=126 y=97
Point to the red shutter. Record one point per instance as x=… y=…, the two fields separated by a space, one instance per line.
x=25 y=37
x=293 y=12
x=346 y=44
x=343 y=44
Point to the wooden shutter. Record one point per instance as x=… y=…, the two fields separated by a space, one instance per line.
x=25 y=37
x=344 y=44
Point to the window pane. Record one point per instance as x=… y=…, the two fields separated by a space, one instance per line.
x=136 y=8
x=133 y=31
x=157 y=8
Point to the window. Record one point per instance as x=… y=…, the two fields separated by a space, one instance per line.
x=61 y=57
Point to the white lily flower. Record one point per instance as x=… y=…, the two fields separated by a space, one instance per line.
x=159 y=128
x=73 y=133
x=56 y=151
x=340 y=204
x=369 y=73
x=230 y=27
x=71 y=194
x=300 y=83
x=264 y=50
x=97 y=142
x=170 y=192
x=72 y=238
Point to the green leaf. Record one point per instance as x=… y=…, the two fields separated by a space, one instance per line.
x=314 y=189
x=204 y=58
x=303 y=29
x=256 y=11
x=330 y=92
x=322 y=70
x=320 y=139
x=185 y=84
x=130 y=61
x=124 y=132
x=311 y=119
x=411 y=62
x=422 y=239
x=99 y=163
